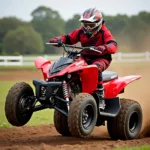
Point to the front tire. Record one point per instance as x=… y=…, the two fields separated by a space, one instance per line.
x=61 y=123
x=82 y=115
x=128 y=123
x=17 y=102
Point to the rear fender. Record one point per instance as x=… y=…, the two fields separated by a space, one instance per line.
x=43 y=64
x=114 y=87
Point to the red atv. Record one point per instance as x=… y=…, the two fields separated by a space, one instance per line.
x=70 y=89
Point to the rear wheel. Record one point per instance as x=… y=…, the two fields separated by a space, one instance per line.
x=127 y=124
x=61 y=124
x=82 y=115
x=17 y=104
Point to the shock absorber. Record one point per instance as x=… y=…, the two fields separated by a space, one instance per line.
x=66 y=93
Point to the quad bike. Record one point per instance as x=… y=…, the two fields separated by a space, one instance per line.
x=70 y=88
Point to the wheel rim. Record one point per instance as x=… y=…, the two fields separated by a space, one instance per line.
x=24 y=105
x=133 y=121
x=87 y=116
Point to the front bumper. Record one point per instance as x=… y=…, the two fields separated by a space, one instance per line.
x=49 y=88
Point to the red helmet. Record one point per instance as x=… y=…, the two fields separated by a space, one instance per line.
x=91 y=21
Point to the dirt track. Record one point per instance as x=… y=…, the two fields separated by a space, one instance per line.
x=48 y=138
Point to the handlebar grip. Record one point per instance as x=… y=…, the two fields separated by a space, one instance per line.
x=51 y=43
x=93 y=49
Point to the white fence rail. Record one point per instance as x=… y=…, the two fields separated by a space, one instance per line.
x=131 y=57
x=11 y=61
x=29 y=61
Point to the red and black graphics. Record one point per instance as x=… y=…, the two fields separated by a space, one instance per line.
x=92 y=12
x=88 y=13
x=97 y=16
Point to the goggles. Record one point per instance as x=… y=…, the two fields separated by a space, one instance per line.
x=87 y=25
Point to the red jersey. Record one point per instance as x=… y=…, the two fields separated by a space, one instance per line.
x=103 y=37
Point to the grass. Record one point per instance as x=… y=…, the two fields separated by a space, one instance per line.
x=3 y=72
x=144 y=147
x=38 y=118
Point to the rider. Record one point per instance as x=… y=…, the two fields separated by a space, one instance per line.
x=93 y=33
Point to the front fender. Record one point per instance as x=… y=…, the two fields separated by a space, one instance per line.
x=40 y=62
x=43 y=64
x=114 y=87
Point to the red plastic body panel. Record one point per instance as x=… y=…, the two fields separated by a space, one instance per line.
x=89 y=79
x=114 y=87
x=78 y=65
x=43 y=64
x=88 y=76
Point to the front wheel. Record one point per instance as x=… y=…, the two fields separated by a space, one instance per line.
x=82 y=115
x=61 y=123
x=17 y=104
x=128 y=123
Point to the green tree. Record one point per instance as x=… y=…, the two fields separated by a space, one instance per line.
x=7 y=24
x=138 y=32
x=117 y=24
x=23 y=40
x=73 y=23
x=49 y=24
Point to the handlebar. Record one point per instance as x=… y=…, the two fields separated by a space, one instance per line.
x=72 y=46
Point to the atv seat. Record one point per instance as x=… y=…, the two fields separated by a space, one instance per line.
x=109 y=75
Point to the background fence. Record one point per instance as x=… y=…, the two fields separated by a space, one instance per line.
x=29 y=61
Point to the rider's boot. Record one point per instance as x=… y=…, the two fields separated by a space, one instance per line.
x=100 y=93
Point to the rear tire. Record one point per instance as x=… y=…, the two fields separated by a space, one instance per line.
x=61 y=123
x=112 y=128
x=82 y=115
x=16 y=102
x=128 y=123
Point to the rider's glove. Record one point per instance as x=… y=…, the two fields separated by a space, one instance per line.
x=53 y=40
x=56 y=40
x=101 y=48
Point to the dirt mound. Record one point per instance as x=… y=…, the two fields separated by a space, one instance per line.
x=45 y=137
